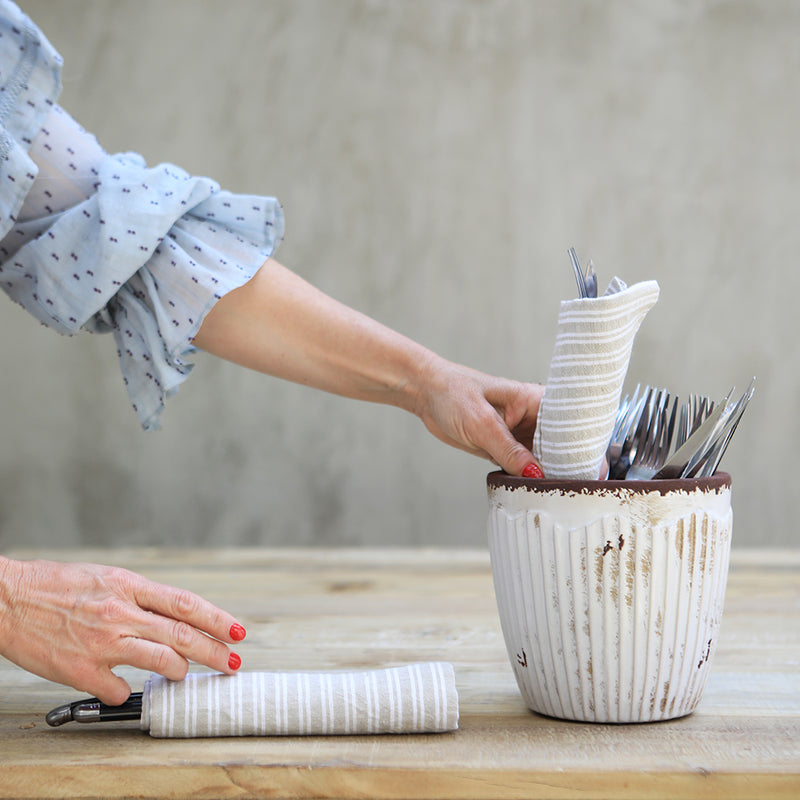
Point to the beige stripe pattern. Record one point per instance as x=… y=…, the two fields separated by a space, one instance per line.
x=590 y=361
x=416 y=698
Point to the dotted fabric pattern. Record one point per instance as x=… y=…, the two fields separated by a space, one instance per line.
x=106 y=244
x=145 y=257
x=30 y=82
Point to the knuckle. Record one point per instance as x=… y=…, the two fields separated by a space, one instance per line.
x=183 y=636
x=113 y=610
x=513 y=451
x=119 y=577
x=218 y=655
x=185 y=604
x=163 y=662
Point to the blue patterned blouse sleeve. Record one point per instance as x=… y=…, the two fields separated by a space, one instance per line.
x=144 y=257
x=30 y=82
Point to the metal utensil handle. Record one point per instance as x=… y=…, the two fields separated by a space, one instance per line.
x=590 y=280
x=582 y=291
x=92 y=710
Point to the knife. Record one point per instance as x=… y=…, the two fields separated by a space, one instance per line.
x=92 y=710
x=683 y=456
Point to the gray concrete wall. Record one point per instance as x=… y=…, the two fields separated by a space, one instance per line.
x=435 y=160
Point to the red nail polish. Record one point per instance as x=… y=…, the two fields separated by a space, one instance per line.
x=532 y=471
x=237 y=632
x=234 y=662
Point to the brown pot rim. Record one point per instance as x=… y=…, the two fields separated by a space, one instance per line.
x=716 y=483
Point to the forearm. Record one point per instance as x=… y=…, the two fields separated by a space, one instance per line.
x=280 y=325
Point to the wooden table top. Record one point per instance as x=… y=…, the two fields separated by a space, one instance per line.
x=335 y=609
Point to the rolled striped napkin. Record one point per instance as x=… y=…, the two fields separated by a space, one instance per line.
x=590 y=360
x=417 y=698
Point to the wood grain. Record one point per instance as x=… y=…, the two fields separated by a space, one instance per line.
x=322 y=609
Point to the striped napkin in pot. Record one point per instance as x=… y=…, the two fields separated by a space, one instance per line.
x=588 y=368
x=416 y=698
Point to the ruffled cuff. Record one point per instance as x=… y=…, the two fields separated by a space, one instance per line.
x=215 y=248
x=145 y=257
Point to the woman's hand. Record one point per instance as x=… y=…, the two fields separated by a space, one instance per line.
x=280 y=325
x=72 y=623
x=489 y=417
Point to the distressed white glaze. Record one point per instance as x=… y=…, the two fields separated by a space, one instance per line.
x=610 y=602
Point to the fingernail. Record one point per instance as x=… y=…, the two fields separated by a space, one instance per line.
x=237 y=632
x=532 y=471
x=234 y=662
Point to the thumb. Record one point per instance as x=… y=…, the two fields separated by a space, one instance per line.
x=110 y=689
x=516 y=459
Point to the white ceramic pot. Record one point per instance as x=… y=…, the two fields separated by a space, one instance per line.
x=610 y=593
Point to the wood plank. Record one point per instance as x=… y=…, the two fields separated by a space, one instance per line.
x=335 y=609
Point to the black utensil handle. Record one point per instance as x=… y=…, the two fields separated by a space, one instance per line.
x=92 y=710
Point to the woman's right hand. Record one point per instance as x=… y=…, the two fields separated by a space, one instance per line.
x=73 y=623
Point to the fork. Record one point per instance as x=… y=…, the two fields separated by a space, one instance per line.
x=656 y=440
x=625 y=428
x=655 y=433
